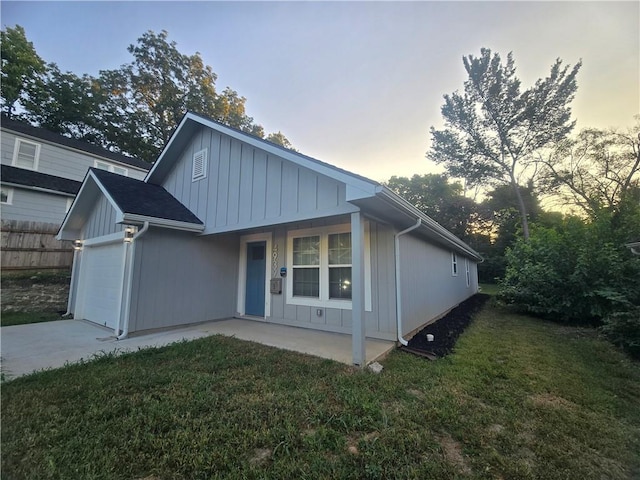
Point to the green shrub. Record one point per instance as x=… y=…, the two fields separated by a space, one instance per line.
x=579 y=273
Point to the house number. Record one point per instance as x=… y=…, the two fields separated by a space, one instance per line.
x=274 y=263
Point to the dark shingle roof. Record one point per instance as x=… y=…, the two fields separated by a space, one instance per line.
x=30 y=178
x=139 y=198
x=41 y=133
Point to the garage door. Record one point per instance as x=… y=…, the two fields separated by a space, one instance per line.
x=100 y=284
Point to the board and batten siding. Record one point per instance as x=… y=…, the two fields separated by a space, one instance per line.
x=102 y=220
x=245 y=187
x=380 y=322
x=60 y=161
x=33 y=206
x=181 y=278
x=428 y=287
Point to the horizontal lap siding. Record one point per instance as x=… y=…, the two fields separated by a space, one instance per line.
x=60 y=161
x=182 y=278
x=245 y=187
x=428 y=287
x=33 y=206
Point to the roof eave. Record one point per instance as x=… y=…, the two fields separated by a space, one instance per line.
x=134 y=218
x=388 y=196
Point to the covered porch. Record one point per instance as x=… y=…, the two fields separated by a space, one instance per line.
x=332 y=346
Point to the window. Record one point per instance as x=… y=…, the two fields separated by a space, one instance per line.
x=454 y=264
x=466 y=265
x=340 y=265
x=110 y=168
x=69 y=203
x=6 y=196
x=199 y=165
x=26 y=154
x=320 y=267
x=306 y=267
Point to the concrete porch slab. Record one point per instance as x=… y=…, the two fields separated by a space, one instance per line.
x=334 y=346
x=37 y=346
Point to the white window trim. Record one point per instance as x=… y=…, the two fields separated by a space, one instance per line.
x=242 y=272
x=16 y=149
x=468 y=272
x=324 y=301
x=205 y=159
x=9 y=191
x=454 y=264
x=111 y=167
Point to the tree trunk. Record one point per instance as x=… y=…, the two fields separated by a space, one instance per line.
x=522 y=209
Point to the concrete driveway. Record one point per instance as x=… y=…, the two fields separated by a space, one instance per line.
x=38 y=346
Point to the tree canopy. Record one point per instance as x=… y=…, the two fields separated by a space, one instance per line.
x=493 y=128
x=595 y=170
x=132 y=109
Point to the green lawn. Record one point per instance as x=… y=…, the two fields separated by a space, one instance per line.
x=519 y=399
x=20 y=318
x=489 y=288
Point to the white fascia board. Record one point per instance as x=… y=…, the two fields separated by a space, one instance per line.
x=38 y=189
x=167 y=147
x=74 y=206
x=368 y=188
x=427 y=222
x=160 y=222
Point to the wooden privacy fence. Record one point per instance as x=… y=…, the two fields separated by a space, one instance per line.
x=33 y=246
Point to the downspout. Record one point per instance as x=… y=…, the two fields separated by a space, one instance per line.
x=398 y=289
x=77 y=245
x=127 y=293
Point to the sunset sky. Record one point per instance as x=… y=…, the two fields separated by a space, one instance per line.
x=357 y=84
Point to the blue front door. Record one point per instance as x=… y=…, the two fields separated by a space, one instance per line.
x=256 y=278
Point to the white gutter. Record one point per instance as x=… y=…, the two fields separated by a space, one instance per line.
x=446 y=236
x=398 y=288
x=127 y=292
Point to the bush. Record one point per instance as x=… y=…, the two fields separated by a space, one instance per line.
x=580 y=273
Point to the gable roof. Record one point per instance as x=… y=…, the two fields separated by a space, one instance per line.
x=372 y=197
x=51 y=137
x=357 y=185
x=38 y=181
x=134 y=201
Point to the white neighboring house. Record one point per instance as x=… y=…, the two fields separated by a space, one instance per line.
x=42 y=171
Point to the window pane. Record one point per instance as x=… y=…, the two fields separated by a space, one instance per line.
x=340 y=282
x=306 y=251
x=26 y=155
x=306 y=282
x=120 y=171
x=102 y=166
x=4 y=196
x=340 y=249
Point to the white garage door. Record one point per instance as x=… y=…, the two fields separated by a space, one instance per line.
x=100 y=284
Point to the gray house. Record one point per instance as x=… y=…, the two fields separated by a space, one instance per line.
x=42 y=171
x=228 y=225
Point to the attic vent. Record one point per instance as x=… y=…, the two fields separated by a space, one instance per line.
x=199 y=165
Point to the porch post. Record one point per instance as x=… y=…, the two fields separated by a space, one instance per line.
x=357 y=290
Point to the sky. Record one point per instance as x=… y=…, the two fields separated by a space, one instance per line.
x=357 y=84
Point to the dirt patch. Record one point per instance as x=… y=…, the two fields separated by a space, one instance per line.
x=447 y=329
x=40 y=292
x=452 y=452
x=260 y=456
x=548 y=400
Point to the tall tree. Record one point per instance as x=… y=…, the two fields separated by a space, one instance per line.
x=595 y=170
x=65 y=103
x=493 y=128
x=21 y=67
x=440 y=199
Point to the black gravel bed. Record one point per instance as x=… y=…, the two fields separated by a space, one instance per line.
x=446 y=330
